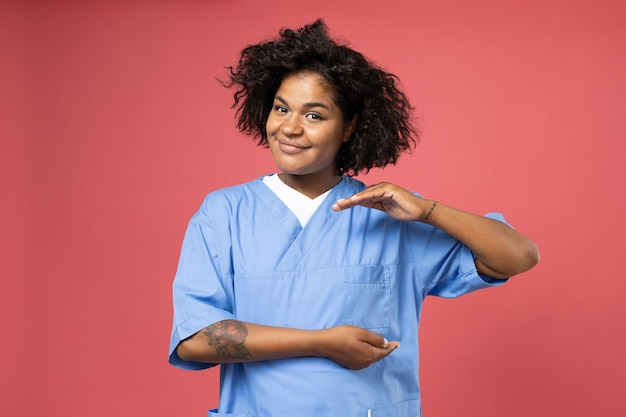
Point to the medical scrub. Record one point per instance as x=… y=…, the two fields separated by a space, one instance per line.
x=246 y=257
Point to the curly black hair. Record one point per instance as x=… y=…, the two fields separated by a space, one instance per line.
x=384 y=128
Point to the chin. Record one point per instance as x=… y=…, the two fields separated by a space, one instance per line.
x=291 y=170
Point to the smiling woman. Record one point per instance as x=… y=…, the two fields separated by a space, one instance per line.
x=305 y=131
x=360 y=90
x=341 y=286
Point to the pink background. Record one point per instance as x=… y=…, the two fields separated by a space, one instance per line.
x=113 y=129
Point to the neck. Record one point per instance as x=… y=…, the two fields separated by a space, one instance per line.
x=310 y=186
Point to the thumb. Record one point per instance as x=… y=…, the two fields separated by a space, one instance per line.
x=377 y=340
x=386 y=345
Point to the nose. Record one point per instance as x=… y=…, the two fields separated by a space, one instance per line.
x=291 y=126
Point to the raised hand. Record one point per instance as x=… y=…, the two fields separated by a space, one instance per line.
x=499 y=250
x=389 y=198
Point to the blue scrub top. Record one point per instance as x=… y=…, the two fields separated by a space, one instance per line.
x=246 y=257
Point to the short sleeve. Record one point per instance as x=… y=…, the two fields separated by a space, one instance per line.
x=201 y=292
x=449 y=266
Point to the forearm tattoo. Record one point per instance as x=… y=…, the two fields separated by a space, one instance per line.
x=227 y=338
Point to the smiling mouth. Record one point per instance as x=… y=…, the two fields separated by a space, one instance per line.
x=290 y=148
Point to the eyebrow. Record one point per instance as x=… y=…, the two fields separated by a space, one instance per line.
x=306 y=105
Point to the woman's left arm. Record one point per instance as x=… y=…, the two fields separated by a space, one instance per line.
x=500 y=250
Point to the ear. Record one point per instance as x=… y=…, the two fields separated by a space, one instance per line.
x=347 y=133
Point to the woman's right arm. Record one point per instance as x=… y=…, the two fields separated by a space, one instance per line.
x=231 y=341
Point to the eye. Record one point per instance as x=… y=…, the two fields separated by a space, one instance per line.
x=315 y=116
x=280 y=109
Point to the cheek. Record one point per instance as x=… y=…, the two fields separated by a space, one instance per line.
x=272 y=124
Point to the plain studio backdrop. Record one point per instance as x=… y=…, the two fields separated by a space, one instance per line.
x=114 y=128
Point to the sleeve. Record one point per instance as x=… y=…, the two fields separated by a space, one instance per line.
x=449 y=267
x=200 y=291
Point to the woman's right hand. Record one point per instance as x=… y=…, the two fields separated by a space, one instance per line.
x=354 y=347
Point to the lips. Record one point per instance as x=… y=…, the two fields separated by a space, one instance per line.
x=290 y=147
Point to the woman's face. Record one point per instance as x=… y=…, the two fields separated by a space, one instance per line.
x=305 y=128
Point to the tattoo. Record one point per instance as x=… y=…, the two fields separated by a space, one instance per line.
x=227 y=338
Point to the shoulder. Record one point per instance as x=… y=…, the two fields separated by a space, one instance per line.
x=230 y=196
x=349 y=185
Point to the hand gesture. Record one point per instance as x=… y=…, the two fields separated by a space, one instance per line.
x=392 y=199
x=354 y=347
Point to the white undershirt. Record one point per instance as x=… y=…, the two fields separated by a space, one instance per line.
x=302 y=206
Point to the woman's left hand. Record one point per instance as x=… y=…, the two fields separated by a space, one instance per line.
x=389 y=198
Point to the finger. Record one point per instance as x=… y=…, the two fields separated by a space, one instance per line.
x=374 y=339
x=386 y=351
x=381 y=354
x=384 y=344
x=373 y=195
x=343 y=204
x=393 y=346
x=370 y=197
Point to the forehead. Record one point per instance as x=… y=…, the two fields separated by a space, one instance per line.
x=308 y=83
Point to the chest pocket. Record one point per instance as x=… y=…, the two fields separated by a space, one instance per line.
x=368 y=296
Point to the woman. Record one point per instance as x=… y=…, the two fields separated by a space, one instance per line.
x=307 y=286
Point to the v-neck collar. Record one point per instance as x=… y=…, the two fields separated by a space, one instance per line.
x=302 y=239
